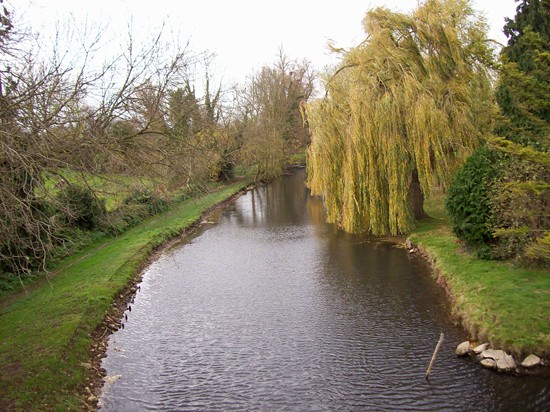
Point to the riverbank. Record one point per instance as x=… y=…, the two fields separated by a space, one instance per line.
x=496 y=302
x=46 y=344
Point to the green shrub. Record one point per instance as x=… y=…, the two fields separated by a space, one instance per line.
x=30 y=240
x=155 y=204
x=468 y=202
x=136 y=207
x=80 y=207
x=520 y=205
x=126 y=216
x=539 y=251
x=223 y=169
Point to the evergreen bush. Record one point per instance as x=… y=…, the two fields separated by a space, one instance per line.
x=468 y=202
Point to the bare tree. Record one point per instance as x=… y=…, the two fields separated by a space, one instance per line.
x=270 y=113
x=61 y=113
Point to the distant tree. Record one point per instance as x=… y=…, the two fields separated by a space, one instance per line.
x=183 y=110
x=402 y=111
x=197 y=125
x=189 y=114
x=270 y=117
x=215 y=136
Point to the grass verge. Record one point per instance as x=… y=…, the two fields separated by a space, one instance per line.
x=45 y=335
x=497 y=302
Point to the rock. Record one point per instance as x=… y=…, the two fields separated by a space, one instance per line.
x=86 y=365
x=92 y=398
x=111 y=379
x=480 y=348
x=463 y=348
x=531 y=361
x=506 y=364
x=489 y=363
x=495 y=354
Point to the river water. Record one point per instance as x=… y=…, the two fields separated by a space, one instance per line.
x=271 y=309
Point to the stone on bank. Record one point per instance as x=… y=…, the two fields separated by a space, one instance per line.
x=496 y=358
x=463 y=348
x=531 y=361
x=480 y=348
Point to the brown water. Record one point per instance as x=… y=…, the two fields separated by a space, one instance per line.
x=271 y=309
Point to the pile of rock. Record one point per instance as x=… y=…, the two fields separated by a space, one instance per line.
x=495 y=358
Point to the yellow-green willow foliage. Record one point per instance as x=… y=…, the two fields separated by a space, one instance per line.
x=402 y=110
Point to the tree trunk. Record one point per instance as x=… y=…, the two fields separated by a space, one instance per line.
x=416 y=197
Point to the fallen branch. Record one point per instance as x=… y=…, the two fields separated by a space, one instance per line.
x=433 y=356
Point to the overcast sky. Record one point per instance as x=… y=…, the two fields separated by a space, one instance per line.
x=244 y=34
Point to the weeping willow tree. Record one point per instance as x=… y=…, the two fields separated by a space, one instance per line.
x=402 y=110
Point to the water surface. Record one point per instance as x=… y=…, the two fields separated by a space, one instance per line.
x=271 y=309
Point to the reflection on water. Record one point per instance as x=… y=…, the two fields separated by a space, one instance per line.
x=272 y=309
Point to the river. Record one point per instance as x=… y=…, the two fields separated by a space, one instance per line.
x=272 y=309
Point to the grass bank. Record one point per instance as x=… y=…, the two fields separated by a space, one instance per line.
x=497 y=302
x=45 y=334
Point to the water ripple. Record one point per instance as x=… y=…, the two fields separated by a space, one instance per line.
x=272 y=310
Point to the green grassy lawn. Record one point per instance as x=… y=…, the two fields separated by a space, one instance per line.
x=45 y=335
x=506 y=305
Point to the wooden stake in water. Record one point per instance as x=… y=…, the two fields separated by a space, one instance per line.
x=439 y=342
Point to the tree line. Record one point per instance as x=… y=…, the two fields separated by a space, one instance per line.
x=67 y=122
x=499 y=202
x=423 y=103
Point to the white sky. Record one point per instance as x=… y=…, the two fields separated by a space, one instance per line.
x=244 y=34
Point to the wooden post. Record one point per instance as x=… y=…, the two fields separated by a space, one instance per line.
x=439 y=342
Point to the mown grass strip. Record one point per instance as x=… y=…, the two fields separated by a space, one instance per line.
x=45 y=336
x=505 y=305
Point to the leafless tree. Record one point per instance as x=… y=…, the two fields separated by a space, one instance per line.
x=61 y=113
x=269 y=113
